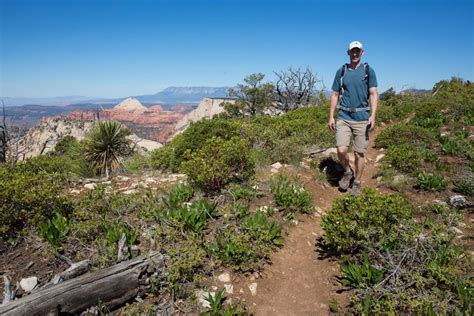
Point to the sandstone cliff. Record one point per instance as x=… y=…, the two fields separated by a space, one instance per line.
x=44 y=136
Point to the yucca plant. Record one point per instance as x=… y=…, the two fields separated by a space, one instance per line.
x=106 y=145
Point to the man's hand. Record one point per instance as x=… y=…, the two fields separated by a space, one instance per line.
x=372 y=122
x=332 y=123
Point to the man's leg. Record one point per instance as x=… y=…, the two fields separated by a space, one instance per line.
x=361 y=142
x=343 y=157
x=343 y=138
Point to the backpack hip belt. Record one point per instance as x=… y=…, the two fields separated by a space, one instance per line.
x=344 y=108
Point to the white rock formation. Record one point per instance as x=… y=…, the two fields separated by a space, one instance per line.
x=207 y=108
x=130 y=104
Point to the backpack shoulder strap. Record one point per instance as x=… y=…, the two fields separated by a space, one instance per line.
x=341 y=77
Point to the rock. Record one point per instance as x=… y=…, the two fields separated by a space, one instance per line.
x=379 y=157
x=90 y=186
x=131 y=191
x=122 y=178
x=399 y=179
x=75 y=191
x=253 y=288
x=276 y=165
x=456 y=230
x=330 y=151
x=379 y=180
x=28 y=284
x=224 y=277
x=458 y=201
x=202 y=296
x=229 y=288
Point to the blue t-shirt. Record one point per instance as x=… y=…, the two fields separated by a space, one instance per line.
x=355 y=91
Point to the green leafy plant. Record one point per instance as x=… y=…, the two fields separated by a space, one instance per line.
x=360 y=275
x=403 y=133
x=464 y=186
x=193 y=217
x=405 y=157
x=217 y=306
x=334 y=305
x=234 y=249
x=178 y=194
x=106 y=145
x=261 y=229
x=430 y=182
x=55 y=230
x=291 y=196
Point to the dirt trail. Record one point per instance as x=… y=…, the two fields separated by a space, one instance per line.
x=300 y=281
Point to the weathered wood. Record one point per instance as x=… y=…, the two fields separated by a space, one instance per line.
x=112 y=286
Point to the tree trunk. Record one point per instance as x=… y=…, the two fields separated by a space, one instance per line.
x=112 y=287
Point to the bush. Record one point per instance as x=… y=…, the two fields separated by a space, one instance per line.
x=431 y=182
x=29 y=196
x=291 y=196
x=360 y=275
x=403 y=133
x=355 y=221
x=172 y=154
x=404 y=158
x=219 y=163
x=464 y=186
x=193 y=217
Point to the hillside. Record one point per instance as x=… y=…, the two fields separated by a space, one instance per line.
x=243 y=215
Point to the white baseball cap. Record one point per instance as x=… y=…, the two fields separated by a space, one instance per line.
x=355 y=44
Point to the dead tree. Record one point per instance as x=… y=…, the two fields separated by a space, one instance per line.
x=3 y=137
x=294 y=88
x=112 y=286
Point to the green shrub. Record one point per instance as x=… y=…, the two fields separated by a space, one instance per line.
x=431 y=182
x=219 y=163
x=403 y=133
x=291 y=196
x=464 y=186
x=263 y=230
x=234 y=249
x=29 y=197
x=217 y=306
x=404 y=158
x=193 y=217
x=355 y=221
x=172 y=154
x=54 y=230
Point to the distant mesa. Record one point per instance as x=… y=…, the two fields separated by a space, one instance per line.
x=130 y=104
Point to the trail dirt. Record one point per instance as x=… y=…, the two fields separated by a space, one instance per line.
x=301 y=280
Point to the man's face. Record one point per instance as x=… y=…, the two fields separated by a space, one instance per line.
x=355 y=54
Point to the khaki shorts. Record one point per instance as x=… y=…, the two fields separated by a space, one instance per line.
x=360 y=131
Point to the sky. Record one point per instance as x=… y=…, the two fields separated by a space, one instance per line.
x=117 y=48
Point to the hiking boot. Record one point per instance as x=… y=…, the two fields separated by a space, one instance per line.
x=356 y=187
x=346 y=180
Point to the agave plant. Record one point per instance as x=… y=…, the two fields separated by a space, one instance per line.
x=106 y=145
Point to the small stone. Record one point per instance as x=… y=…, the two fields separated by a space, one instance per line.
x=253 y=288
x=202 y=298
x=224 y=277
x=379 y=157
x=458 y=201
x=456 y=230
x=276 y=165
x=241 y=291
x=28 y=284
x=229 y=288
x=90 y=186
x=379 y=180
x=122 y=178
x=75 y=191
x=131 y=191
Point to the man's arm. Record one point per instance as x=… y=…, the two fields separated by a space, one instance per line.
x=332 y=109
x=374 y=100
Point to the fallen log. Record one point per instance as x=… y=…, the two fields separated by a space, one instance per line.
x=112 y=287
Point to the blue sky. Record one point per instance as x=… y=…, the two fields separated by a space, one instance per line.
x=116 y=48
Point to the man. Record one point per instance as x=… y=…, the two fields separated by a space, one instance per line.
x=354 y=84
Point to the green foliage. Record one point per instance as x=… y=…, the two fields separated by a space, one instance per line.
x=360 y=275
x=430 y=182
x=371 y=217
x=193 y=217
x=106 y=145
x=234 y=249
x=333 y=305
x=219 y=163
x=66 y=146
x=172 y=154
x=464 y=186
x=291 y=196
x=115 y=229
x=243 y=192
x=403 y=133
x=217 y=306
x=138 y=162
x=404 y=158
x=29 y=196
x=54 y=230
x=253 y=97
x=178 y=194
x=263 y=230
